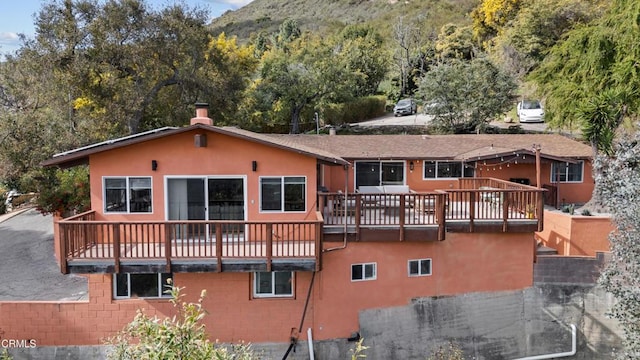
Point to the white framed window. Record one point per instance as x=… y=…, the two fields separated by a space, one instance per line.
x=149 y=286
x=273 y=284
x=567 y=172
x=419 y=267
x=362 y=272
x=446 y=170
x=283 y=193
x=127 y=194
x=378 y=173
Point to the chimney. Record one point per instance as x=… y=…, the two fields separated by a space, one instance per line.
x=202 y=115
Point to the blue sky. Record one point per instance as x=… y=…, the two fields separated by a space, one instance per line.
x=16 y=16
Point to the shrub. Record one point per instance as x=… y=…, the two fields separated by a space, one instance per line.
x=586 y=212
x=361 y=109
x=64 y=191
x=179 y=337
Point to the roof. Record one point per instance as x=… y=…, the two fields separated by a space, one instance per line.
x=336 y=149
x=81 y=155
x=434 y=147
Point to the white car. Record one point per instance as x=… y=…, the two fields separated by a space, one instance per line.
x=530 y=111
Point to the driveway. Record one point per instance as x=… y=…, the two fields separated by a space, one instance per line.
x=28 y=265
x=421 y=119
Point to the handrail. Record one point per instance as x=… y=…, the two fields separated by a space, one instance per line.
x=192 y=239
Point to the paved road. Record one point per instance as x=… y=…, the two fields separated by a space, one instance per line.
x=28 y=268
x=420 y=119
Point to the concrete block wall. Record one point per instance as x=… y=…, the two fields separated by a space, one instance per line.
x=552 y=269
x=504 y=325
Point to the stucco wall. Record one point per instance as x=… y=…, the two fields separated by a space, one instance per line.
x=462 y=263
x=575 y=234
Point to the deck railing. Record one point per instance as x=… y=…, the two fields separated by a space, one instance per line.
x=83 y=238
x=475 y=199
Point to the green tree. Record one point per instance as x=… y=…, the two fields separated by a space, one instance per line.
x=618 y=184
x=525 y=40
x=182 y=336
x=309 y=72
x=594 y=58
x=464 y=96
x=362 y=48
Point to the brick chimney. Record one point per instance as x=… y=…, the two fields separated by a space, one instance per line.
x=202 y=115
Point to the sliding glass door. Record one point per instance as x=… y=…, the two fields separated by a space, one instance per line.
x=206 y=198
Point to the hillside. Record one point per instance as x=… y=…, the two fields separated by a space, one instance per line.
x=327 y=15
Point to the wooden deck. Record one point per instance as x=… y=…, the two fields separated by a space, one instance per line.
x=477 y=205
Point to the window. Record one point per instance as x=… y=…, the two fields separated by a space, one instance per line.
x=420 y=267
x=273 y=284
x=377 y=173
x=127 y=194
x=360 y=272
x=447 y=169
x=126 y=286
x=567 y=172
x=287 y=193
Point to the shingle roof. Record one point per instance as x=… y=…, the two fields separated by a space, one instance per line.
x=336 y=148
x=461 y=147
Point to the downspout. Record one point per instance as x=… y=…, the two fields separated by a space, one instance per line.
x=557 y=355
x=294 y=337
x=346 y=193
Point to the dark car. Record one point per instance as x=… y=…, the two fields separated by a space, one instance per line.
x=405 y=107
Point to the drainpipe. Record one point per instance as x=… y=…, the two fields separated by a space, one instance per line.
x=557 y=355
x=346 y=193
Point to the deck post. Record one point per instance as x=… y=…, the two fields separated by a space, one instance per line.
x=540 y=210
x=401 y=214
x=167 y=246
x=472 y=209
x=269 y=245
x=440 y=213
x=116 y=247
x=505 y=210
x=64 y=235
x=219 y=246
x=318 y=245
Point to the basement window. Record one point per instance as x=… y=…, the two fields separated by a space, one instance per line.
x=149 y=286
x=273 y=284
x=419 y=267
x=362 y=272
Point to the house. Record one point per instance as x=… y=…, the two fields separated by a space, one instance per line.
x=287 y=228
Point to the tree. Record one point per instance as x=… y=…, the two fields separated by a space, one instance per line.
x=538 y=25
x=593 y=58
x=173 y=338
x=363 y=50
x=491 y=16
x=618 y=184
x=309 y=72
x=465 y=96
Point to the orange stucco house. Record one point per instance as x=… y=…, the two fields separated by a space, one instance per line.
x=284 y=229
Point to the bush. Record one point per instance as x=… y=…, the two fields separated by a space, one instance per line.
x=179 y=337
x=355 y=111
x=64 y=191
x=586 y=212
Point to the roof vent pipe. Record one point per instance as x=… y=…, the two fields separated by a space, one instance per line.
x=202 y=115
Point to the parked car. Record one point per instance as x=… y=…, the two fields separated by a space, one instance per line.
x=405 y=107
x=530 y=111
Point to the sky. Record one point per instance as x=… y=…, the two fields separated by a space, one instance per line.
x=16 y=16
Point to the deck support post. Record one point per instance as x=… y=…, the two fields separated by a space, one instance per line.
x=269 y=245
x=116 y=247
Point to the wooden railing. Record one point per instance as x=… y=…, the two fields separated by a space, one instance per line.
x=83 y=238
x=475 y=199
